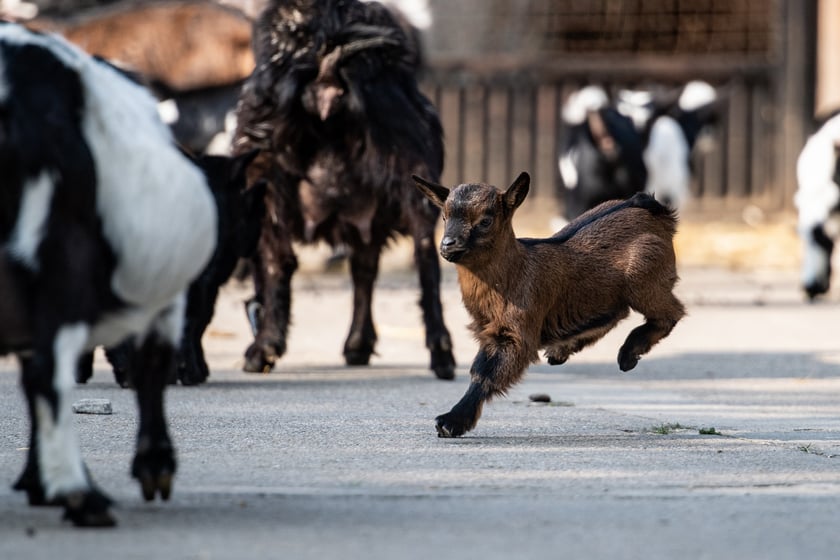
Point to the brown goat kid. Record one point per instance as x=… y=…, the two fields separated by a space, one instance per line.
x=559 y=294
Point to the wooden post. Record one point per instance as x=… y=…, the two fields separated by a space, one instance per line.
x=796 y=92
x=827 y=98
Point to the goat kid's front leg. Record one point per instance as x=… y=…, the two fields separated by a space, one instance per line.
x=494 y=370
x=360 y=343
x=274 y=266
x=154 y=460
x=55 y=473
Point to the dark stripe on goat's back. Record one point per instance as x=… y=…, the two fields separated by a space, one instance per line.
x=638 y=200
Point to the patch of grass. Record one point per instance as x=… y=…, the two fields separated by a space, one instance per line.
x=709 y=432
x=665 y=429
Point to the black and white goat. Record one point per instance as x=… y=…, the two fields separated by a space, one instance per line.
x=818 y=202
x=97 y=249
x=640 y=142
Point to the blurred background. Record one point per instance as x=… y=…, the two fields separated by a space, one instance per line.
x=500 y=70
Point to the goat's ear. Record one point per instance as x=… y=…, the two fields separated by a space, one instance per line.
x=517 y=192
x=434 y=192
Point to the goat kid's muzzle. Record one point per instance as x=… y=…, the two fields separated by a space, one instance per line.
x=451 y=249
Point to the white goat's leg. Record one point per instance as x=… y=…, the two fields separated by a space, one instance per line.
x=62 y=469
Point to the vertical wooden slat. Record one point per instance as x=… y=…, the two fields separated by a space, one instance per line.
x=462 y=134
x=485 y=132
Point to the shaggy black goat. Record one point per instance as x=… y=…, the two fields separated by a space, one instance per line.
x=560 y=294
x=335 y=107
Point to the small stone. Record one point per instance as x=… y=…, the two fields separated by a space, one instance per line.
x=92 y=406
x=540 y=397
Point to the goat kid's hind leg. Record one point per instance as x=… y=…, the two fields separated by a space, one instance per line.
x=660 y=320
x=153 y=365
x=364 y=267
x=55 y=473
x=438 y=340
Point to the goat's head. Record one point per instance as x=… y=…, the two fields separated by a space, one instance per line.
x=327 y=94
x=476 y=216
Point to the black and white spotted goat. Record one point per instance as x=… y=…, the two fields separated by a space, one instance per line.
x=641 y=141
x=103 y=225
x=818 y=202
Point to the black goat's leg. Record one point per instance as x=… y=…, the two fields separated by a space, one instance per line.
x=191 y=364
x=121 y=358
x=364 y=267
x=153 y=364
x=494 y=370
x=438 y=340
x=84 y=370
x=274 y=265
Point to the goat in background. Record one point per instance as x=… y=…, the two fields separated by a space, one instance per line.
x=641 y=141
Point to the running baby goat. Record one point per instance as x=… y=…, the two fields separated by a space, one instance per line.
x=560 y=294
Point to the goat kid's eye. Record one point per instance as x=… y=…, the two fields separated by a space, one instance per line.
x=486 y=222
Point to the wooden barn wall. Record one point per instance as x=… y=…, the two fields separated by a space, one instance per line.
x=499 y=89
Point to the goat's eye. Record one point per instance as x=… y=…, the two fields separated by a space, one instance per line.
x=486 y=222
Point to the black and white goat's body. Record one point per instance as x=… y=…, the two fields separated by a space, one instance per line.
x=638 y=143
x=818 y=202
x=92 y=225
x=335 y=107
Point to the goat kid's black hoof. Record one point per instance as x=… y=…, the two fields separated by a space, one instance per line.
x=450 y=425
x=627 y=360
x=556 y=361
x=88 y=509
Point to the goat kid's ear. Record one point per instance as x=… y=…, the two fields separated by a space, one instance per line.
x=517 y=192
x=434 y=192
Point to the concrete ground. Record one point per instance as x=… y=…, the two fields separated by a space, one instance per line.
x=723 y=443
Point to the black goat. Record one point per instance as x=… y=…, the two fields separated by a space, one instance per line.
x=240 y=213
x=335 y=108
x=96 y=249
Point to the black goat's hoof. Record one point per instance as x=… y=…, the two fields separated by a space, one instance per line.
x=154 y=468
x=193 y=375
x=451 y=425
x=443 y=364
x=88 y=509
x=357 y=357
x=260 y=358
x=28 y=482
x=151 y=485
x=627 y=360
x=444 y=372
